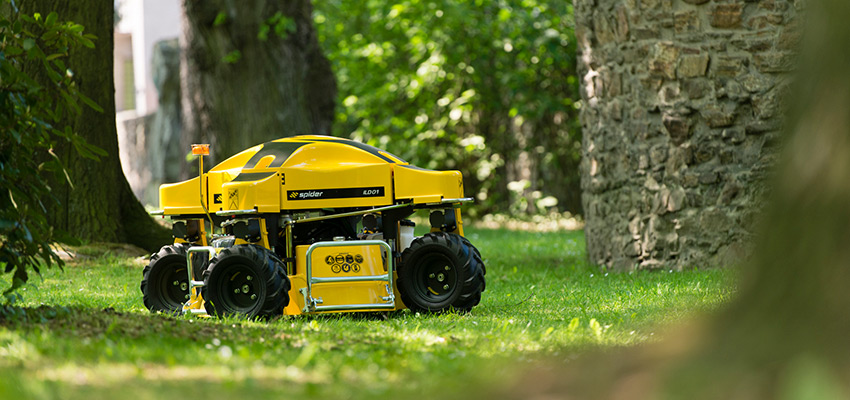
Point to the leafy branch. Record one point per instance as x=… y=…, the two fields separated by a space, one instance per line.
x=38 y=95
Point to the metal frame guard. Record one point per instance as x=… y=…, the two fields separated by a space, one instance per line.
x=189 y=306
x=311 y=304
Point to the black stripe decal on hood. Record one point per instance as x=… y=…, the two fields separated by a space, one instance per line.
x=252 y=176
x=362 y=146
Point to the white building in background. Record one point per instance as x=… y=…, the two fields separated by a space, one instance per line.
x=142 y=23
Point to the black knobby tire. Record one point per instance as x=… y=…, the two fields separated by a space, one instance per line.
x=245 y=280
x=165 y=283
x=477 y=254
x=441 y=271
x=227 y=241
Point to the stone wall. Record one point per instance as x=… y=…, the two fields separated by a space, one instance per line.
x=682 y=108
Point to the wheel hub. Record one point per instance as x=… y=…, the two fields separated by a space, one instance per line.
x=438 y=279
x=242 y=286
x=175 y=287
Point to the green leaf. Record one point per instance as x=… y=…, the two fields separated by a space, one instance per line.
x=220 y=18
x=28 y=43
x=504 y=14
x=96 y=150
x=284 y=27
x=89 y=102
x=233 y=57
x=53 y=75
x=83 y=151
x=59 y=162
x=51 y=19
x=263 y=35
x=70 y=101
x=13 y=51
x=50 y=35
x=85 y=42
x=35 y=52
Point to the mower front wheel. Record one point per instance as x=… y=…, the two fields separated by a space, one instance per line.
x=441 y=271
x=245 y=280
x=165 y=283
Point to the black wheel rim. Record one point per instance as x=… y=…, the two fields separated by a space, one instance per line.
x=174 y=287
x=240 y=289
x=435 y=278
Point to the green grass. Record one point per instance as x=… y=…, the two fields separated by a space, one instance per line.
x=83 y=333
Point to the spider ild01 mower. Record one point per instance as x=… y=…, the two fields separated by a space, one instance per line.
x=311 y=225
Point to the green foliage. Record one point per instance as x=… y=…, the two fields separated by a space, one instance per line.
x=487 y=87
x=92 y=335
x=37 y=94
x=220 y=18
x=279 y=23
x=233 y=57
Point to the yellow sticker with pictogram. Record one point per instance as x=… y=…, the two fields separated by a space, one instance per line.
x=344 y=262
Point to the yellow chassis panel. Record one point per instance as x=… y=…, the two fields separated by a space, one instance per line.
x=334 y=262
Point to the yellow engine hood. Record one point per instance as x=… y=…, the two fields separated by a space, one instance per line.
x=308 y=172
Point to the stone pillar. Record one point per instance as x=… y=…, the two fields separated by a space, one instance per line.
x=682 y=108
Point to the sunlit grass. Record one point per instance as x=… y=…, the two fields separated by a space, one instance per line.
x=83 y=333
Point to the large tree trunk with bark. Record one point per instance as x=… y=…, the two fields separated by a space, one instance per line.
x=100 y=206
x=251 y=73
x=785 y=335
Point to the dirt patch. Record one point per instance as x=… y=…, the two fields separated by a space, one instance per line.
x=74 y=254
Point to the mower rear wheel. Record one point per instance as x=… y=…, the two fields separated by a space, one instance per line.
x=441 y=271
x=165 y=283
x=245 y=280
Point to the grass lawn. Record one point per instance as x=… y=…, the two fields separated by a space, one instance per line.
x=84 y=333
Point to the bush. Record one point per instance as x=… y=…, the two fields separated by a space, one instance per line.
x=37 y=93
x=486 y=87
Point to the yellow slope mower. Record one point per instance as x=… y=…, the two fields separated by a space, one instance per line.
x=310 y=225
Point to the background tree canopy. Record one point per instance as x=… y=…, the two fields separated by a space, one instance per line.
x=486 y=87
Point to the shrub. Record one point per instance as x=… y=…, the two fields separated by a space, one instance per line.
x=38 y=95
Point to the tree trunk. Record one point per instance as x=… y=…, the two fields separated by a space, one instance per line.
x=785 y=334
x=240 y=89
x=100 y=206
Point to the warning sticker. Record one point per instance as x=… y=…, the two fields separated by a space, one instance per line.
x=344 y=262
x=233 y=199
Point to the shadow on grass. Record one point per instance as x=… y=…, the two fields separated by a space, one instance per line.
x=85 y=322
